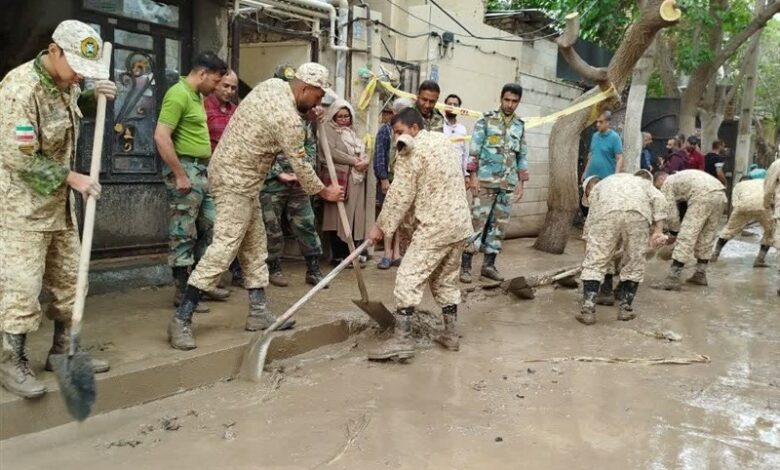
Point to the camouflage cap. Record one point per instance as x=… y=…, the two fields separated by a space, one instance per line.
x=83 y=48
x=314 y=74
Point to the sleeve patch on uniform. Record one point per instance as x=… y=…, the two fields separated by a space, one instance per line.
x=25 y=137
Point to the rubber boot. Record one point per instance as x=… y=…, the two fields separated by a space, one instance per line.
x=260 y=317
x=465 y=268
x=15 y=372
x=218 y=293
x=760 y=261
x=400 y=345
x=489 y=270
x=237 y=273
x=275 y=274
x=605 y=295
x=672 y=280
x=181 y=275
x=61 y=343
x=449 y=338
x=699 y=277
x=627 y=293
x=313 y=273
x=718 y=248
x=587 y=314
x=180 y=327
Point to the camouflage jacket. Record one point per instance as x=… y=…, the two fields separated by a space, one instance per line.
x=689 y=186
x=39 y=128
x=282 y=164
x=748 y=196
x=429 y=181
x=625 y=192
x=265 y=124
x=772 y=189
x=435 y=123
x=500 y=151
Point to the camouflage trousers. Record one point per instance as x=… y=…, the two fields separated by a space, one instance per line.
x=777 y=240
x=629 y=231
x=30 y=262
x=699 y=228
x=438 y=266
x=238 y=231
x=739 y=219
x=490 y=212
x=191 y=215
x=295 y=203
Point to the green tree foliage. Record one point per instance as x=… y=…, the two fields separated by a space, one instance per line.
x=768 y=85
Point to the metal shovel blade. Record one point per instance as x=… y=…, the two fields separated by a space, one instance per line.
x=254 y=358
x=377 y=311
x=77 y=382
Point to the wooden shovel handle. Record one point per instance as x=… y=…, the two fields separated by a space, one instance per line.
x=89 y=211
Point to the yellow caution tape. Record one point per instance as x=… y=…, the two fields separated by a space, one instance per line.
x=530 y=122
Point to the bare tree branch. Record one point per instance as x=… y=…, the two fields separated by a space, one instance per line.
x=566 y=44
x=759 y=21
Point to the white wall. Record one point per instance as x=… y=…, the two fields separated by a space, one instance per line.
x=259 y=61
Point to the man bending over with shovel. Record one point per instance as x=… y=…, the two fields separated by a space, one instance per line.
x=623 y=210
x=428 y=180
x=266 y=123
x=39 y=240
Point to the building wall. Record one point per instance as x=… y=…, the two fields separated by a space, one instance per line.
x=259 y=61
x=477 y=74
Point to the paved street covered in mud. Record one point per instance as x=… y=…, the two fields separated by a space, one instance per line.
x=530 y=388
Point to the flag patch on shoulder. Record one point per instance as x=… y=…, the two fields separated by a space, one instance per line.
x=25 y=133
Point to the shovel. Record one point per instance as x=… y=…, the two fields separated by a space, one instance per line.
x=74 y=369
x=374 y=309
x=522 y=286
x=257 y=350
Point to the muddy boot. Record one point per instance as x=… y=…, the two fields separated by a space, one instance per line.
x=218 y=293
x=465 y=268
x=313 y=273
x=237 y=274
x=718 y=248
x=672 y=280
x=15 y=371
x=627 y=293
x=400 y=346
x=60 y=344
x=760 y=261
x=275 y=274
x=605 y=295
x=180 y=276
x=489 y=270
x=699 y=277
x=449 y=338
x=587 y=315
x=180 y=327
x=260 y=317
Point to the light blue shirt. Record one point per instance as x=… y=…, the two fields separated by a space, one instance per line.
x=604 y=148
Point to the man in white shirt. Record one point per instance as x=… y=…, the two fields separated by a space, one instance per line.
x=457 y=131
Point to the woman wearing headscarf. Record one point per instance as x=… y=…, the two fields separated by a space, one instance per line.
x=349 y=157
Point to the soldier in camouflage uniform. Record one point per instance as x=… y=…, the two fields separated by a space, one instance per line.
x=498 y=145
x=39 y=240
x=772 y=203
x=748 y=206
x=623 y=210
x=705 y=197
x=428 y=180
x=427 y=96
x=267 y=122
x=183 y=141
x=282 y=194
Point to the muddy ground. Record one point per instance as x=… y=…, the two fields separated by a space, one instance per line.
x=514 y=396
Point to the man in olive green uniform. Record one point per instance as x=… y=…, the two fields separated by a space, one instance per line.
x=39 y=241
x=267 y=122
x=182 y=138
x=427 y=95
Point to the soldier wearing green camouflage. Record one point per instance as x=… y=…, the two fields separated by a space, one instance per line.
x=498 y=145
x=427 y=96
x=282 y=194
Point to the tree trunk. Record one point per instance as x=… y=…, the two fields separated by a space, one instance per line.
x=664 y=63
x=562 y=202
x=632 y=130
x=710 y=125
x=742 y=154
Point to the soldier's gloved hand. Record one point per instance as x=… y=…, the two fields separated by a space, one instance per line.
x=106 y=88
x=84 y=184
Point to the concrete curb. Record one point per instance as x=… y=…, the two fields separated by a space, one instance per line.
x=135 y=386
